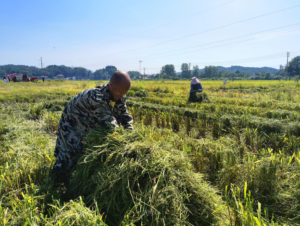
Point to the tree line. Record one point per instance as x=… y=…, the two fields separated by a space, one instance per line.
x=167 y=72
x=234 y=72
x=52 y=71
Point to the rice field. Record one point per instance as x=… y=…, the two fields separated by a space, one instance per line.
x=231 y=160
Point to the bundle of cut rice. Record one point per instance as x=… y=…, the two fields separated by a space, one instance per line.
x=137 y=179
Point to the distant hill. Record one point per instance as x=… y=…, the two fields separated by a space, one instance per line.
x=251 y=69
x=243 y=69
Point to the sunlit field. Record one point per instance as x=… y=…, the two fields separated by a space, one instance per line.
x=238 y=152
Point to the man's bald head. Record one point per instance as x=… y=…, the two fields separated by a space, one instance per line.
x=119 y=84
x=120 y=77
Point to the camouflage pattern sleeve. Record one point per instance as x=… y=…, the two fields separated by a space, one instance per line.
x=102 y=110
x=124 y=117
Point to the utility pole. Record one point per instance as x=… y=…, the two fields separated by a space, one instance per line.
x=42 y=66
x=140 y=66
x=144 y=72
x=41 y=63
x=287 y=64
x=140 y=69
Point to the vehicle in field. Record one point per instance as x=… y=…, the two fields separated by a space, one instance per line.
x=21 y=77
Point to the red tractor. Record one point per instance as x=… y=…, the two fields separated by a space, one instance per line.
x=21 y=77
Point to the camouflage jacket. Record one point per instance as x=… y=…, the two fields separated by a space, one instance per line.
x=87 y=110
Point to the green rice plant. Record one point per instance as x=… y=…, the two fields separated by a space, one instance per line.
x=148 y=117
x=48 y=104
x=56 y=108
x=3 y=130
x=35 y=111
x=198 y=97
x=254 y=140
x=226 y=124
x=188 y=126
x=293 y=145
x=276 y=141
x=74 y=213
x=163 y=121
x=213 y=108
x=157 y=119
x=133 y=112
x=51 y=121
x=168 y=120
x=237 y=135
x=130 y=93
x=249 y=138
x=141 y=93
x=201 y=124
x=133 y=180
x=175 y=122
x=243 y=209
x=216 y=128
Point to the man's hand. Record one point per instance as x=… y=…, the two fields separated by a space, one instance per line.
x=199 y=90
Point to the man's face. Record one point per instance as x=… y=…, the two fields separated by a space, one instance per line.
x=118 y=90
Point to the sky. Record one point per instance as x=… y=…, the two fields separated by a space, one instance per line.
x=97 y=33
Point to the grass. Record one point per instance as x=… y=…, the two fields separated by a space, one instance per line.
x=233 y=161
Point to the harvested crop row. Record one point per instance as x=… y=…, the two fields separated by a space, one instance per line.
x=224 y=108
x=264 y=125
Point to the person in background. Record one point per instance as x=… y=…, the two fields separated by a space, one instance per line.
x=196 y=85
x=224 y=82
x=195 y=88
x=43 y=78
x=4 y=79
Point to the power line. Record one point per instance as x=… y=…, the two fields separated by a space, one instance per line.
x=174 y=21
x=223 y=40
x=223 y=44
x=229 y=43
x=213 y=29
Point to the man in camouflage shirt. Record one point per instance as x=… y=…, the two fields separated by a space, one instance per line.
x=100 y=106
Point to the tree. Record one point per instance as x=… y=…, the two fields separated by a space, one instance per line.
x=268 y=76
x=106 y=76
x=294 y=66
x=185 y=72
x=79 y=72
x=225 y=74
x=110 y=70
x=211 y=72
x=89 y=75
x=196 y=72
x=168 y=71
x=98 y=74
x=237 y=72
x=105 y=73
x=2 y=73
x=134 y=74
